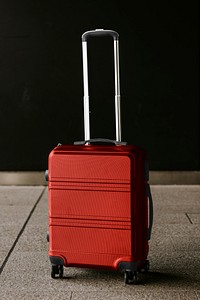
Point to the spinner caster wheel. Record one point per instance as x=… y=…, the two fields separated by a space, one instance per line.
x=126 y=277
x=57 y=270
x=54 y=271
x=135 y=278
x=146 y=266
x=60 y=271
x=130 y=277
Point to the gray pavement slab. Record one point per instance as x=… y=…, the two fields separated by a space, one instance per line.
x=166 y=199
x=17 y=195
x=16 y=203
x=135 y=296
x=170 y=218
x=194 y=218
x=174 y=252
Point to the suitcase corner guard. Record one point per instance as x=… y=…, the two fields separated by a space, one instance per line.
x=133 y=266
x=57 y=260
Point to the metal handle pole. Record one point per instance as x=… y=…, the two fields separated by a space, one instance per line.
x=86 y=92
x=117 y=91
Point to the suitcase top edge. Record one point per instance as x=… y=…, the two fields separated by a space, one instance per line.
x=97 y=148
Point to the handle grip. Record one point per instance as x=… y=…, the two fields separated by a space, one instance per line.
x=100 y=32
x=100 y=140
x=150 y=212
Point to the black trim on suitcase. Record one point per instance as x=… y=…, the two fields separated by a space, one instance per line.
x=56 y=261
x=148 y=190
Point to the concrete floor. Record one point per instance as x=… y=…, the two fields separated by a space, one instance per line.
x=174 y=251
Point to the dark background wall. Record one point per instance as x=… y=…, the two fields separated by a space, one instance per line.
x=41 y=78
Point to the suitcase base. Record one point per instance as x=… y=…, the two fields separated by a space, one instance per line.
x=130 y=269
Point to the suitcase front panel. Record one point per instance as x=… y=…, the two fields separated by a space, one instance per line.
x=90 y=167
x=89 y=204
x=90 y=240
x=90 y=246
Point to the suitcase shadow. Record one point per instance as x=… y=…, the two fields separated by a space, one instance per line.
x=166 y=279
x=148 y=278
x=91 y=274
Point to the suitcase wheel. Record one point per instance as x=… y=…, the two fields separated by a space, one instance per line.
x=130 y=277
x=146 y=266
x=57 y=270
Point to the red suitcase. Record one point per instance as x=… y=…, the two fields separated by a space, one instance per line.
x=100 y=205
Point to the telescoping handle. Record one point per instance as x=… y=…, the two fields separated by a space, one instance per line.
x=85 y=36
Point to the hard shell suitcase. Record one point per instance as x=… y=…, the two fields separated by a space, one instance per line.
x=100 y=204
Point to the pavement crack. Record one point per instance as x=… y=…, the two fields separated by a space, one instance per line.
x=188 y=218
x=21 y=231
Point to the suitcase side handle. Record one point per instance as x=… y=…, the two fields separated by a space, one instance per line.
x=150 y=212
x=99 y=32
x=114 y=34
x=100 y=140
